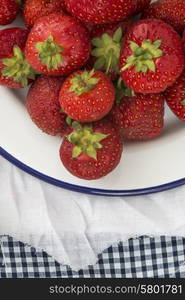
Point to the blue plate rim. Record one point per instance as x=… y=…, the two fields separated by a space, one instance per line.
x=86 y=190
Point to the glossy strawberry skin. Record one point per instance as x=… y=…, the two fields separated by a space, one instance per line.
x=8 y=11
x=175 y=97
x=8 y=39
x=108 y=157
x=97 y=31
x=140 y=117
x=43 y=105
x=170 y=11
x=90 y=106
x=101 y=12
x=68 y=33
x=34 y=9
x=166 y=72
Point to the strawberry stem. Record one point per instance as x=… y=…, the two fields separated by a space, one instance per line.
x=107 y=50
x=84 y=82
x=50 y=53
x=85 y=140
x=122 y=91
x=17 y=67
x=142 y=58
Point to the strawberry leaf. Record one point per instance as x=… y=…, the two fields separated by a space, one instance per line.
x=17 y=67
x=107 y=50
x=85 y=141
x=83 y=83
x=142 y=57
x=50 y=53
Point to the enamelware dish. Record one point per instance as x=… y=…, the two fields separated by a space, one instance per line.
x=146 y=167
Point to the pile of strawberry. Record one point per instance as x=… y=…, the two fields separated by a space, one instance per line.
x=100 y=72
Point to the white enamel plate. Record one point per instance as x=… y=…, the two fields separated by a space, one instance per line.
x=145 y=167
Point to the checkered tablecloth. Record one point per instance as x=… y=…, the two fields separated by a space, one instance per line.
x=142 y=257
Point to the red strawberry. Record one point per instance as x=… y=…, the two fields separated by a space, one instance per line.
x=57 y=45
x=106 y=41
x=34 y=9
x=139 y=117
x=101 y=12
x=44 y=107
x=170 y=11
x=141 y=4
x=8 y=11
x=92 y=151
x=152 y=56
x=183 y=39
x=15 y=70
x=87 y=96
x=175 y=97
x=98 y=30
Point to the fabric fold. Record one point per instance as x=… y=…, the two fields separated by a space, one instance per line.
x=74 y=228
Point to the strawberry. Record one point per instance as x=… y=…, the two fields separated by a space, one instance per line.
x=170 y=11
x=175 y=97
x=106 y=41
x=139 y=117
x=98 y=30
x=142 y=4
x=34 y=9
x=15 y=71
x=148 y=51
x=9 y=10
x=183 y=39
x=43 y=105
x=101 y=12
x=91 y=151
x=87 y=96
x=57 y=45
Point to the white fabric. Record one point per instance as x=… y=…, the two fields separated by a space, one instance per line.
x=74 y=228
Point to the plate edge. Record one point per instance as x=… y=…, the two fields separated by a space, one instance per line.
x=86 y=190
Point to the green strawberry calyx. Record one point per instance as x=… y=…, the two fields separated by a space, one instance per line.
x=183 y=102
x=50 y=53
x=107 y=50
x=122 y=90
x=83 y=82
x=142 y=58
x=85 y=140
x=17 y=67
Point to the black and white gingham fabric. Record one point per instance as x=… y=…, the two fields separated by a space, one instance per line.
x=142 y=257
